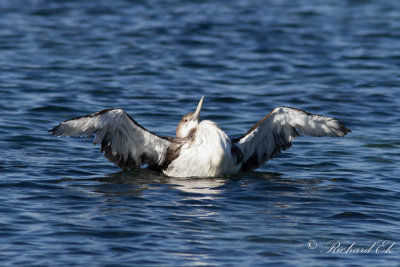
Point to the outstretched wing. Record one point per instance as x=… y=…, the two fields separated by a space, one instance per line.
x=122 y=139
x=276 y=131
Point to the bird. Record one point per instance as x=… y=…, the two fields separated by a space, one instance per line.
x=200 y=148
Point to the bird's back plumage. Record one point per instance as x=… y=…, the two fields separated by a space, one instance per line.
x=207 y=152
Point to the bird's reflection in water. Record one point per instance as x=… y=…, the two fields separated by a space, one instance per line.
x=138 y=181
x=144 y=182
x=200 y=198
x=203 y=186
x=135 y=183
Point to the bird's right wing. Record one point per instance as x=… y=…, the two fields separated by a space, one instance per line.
x=122 y=139
x=276 y=131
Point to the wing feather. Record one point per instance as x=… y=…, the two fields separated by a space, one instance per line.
x=122 y=140
x=276 y=131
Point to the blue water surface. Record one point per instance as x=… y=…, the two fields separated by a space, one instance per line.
x=324 y=202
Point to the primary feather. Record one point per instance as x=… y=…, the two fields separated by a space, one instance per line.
x=122 y=139
x=276 y=131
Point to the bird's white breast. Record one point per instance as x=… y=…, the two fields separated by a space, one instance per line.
x=207 y=154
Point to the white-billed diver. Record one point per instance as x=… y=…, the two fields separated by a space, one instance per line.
x=199 y=149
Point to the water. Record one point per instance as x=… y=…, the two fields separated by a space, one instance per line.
x=63 y=203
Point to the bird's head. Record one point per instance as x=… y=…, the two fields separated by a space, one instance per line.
x=189 y=121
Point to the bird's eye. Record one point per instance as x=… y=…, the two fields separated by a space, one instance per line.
x=186 y=120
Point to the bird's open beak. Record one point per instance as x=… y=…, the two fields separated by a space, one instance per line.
x=196 y=114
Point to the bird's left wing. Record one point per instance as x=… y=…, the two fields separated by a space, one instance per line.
x=276 y=131
x=122 y=139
